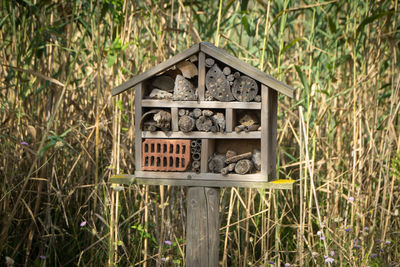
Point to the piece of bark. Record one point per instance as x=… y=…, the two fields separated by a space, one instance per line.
x=248 y=119
x=188 y=69
x=219 y=121
x=243 y=166
x=256 y=158
x=257 y=98
x=236 y=158
x=193 y=58
x=231 y=167
x=207 y=113
x=239 y=128
x=244 y=89
x=149 y=126
x=184 y=89
x=163 y=120
x=236 y=75
x=186 y=124
x=226 y=71
x=213 y=129
x=196 y=113
x=230 y=154
x=210 y=62
x=224 y=171
x=204 y=124
x=164 y=82
x=218 y=85
x=216 y=163
x=208 y=96
x=160 y=94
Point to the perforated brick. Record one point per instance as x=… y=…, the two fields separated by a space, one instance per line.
x=165 y=154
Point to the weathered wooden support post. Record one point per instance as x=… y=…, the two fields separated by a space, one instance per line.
x=202 y=229
x=195 y=135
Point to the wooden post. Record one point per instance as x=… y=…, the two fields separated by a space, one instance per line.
x=202 y=229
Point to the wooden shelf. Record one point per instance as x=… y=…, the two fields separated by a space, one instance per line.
x=203 y=179
x=202 y=104
x=202 y=135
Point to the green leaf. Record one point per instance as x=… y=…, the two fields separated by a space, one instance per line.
x=246 y=25
x=303 y=78
x=291 y=44
x=371 y=19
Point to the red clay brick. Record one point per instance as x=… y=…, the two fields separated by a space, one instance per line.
x=165 y=154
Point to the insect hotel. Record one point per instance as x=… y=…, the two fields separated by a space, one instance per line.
x=205 y=118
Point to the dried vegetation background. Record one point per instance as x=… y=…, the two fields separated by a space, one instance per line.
x=62 y=134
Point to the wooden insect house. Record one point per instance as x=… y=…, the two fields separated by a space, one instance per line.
x=205 y=118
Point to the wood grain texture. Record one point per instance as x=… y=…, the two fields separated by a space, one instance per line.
x=229 y=120
x=206 y=151
x=245 y=68
x=174 y=122
x=152 y=103
x=138 y=131
x=202 y=239
x=202 y=135
x=157 y=69
x=202 y=76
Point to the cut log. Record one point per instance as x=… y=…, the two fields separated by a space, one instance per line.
x=182 y=112
x=193 y=143
x=186 y=124
x=184 y=89
x=236 y=158
x=213 y=129
x=244 y=89
x=226 y=70
x=160 y=94
x=208 y=96
x=248 y=120
x=207 y=113
x=251 y=128
x=196 y=156
x=230 y=77
x=204 y=124
x=218 y=85
x=163 y=120
x=217 y=162
x=149 y=126
x=210 y=62
x=236 y=75
x=239 y=128
x=164 y=82
x=257 y=98
x=231 y=167
x=243 y=166
x=196 y=113
x=196 y=164
x=188 y=69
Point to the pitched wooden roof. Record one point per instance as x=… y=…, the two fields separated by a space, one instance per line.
x=219 y=55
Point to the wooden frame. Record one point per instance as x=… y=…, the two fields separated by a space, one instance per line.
x=267 y=136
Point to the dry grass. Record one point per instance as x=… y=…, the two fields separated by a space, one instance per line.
x=63 y=135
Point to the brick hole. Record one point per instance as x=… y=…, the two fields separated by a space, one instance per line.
x=164 y=148
x=183 y=162
x=146 y=161
x=165 y=164
x=158 y=162
x=146 y=148
x=158 y=148
x=171 y=161
x=171 y=148
x=152 y=148
x=183 y=149
x=177 y=149
x=152 y=161
x=177 y=162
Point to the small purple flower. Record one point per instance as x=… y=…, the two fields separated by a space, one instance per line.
x=387 y=242
x=378 y=241
x=23 y=143
x=374 y=255
x=287 y=264
x=329 y=259
x=322 y=237
x=83 y=223
x=42 y=257
x=271 y=262
x=366 y=229
x=332 y=253
x=167 y=242
x=163 y=259
x=356 y=246
x=355 y=241
x=319 y=233
x=348 y=229
x=351 y=199
x=381 y=250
